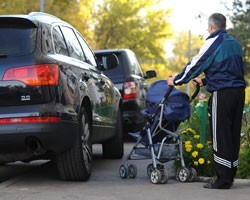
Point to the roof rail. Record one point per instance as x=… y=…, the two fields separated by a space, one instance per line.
x=43 y=14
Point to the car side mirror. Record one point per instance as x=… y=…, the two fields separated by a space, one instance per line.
x=150 y=74
x=107 y=62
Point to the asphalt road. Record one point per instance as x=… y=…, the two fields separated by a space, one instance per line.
x=39 y=181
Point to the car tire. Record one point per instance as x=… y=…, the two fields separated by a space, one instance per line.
x=75 y=164
x=113 y=148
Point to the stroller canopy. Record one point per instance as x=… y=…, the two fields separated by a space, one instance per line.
x=176 y=108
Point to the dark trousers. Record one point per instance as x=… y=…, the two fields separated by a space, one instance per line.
x=226 y=109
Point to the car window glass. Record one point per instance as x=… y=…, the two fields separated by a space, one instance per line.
x=74 y=47
x=88 y=53
x=17 y=41
x=135 y=64
x=116 y=74
x=59 y=42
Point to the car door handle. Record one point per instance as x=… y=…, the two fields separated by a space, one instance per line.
x=101 y=81
x=85 y=76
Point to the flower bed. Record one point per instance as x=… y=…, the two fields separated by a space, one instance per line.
x=196 y=154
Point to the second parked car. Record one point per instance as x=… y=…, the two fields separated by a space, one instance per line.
x=129 y=78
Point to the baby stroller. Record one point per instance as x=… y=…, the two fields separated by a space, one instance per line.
x=159 y=139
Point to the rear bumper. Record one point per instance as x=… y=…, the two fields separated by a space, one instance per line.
x=52 y=137
x=132 y=117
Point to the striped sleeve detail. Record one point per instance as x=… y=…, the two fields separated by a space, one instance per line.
x=197 y=66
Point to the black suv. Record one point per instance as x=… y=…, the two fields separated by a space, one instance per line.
x=54 y=100
x=130 y=80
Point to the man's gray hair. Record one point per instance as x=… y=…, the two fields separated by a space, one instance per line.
x=218 y=21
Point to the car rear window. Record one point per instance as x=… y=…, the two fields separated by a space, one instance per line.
x=17 y=41
x=117 y=74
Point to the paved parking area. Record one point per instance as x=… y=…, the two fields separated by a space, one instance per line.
x=105 y=184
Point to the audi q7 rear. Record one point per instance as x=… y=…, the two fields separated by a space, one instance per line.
x=54 y=101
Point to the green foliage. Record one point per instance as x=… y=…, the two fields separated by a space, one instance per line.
x=19 y=6
x=186 y=45
x=244 y=155
x=245 y=130
x=135 y=24
x=241 y=29
x=244 y=163
x=76 y=12
x=140 y=25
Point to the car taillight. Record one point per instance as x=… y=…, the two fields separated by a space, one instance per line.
x=21 y=120
x=36 y=75
x=129 y=90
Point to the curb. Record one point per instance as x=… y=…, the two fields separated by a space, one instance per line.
x=204 y=179
x=242 y=181
x=237 y=180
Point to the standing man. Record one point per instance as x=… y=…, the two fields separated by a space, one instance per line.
x=220 y=58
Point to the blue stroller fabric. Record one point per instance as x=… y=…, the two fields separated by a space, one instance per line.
x=177 y=106
x=176 y=109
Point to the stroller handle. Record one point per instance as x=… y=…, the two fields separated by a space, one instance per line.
x=196 y=92
x=170 y=88
x=168 y=91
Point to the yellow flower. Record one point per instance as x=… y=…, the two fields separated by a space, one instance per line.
x=196 y=163
x=191 y=130
x=183 y=132
x=209 y=142
x=208 y=162
x=187 y=143
x=196 y=136
x=200 y=146
x=188 y=147
x=201 y=161
x=195 y=154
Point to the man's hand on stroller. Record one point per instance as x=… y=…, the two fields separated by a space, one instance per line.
x=198 y=81
x=170 y=80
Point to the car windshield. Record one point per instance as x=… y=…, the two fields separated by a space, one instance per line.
x=17 y=41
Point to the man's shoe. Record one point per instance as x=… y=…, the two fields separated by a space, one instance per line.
x=217 y=185
x=208 y=186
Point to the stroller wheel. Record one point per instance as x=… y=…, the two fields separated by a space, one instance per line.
x=183 y=174
x=193 y=174
x=164 y=176
x=132 y=171
x=164 y=173
x=155 y=176
x=150 y=168
x=123 y=171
